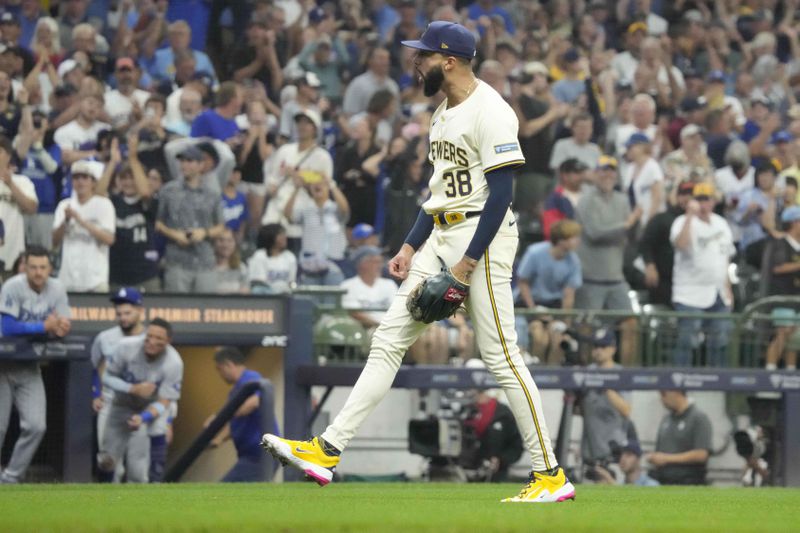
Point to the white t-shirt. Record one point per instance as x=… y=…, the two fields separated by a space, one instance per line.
x=362 y=296
x=119 y=107
x=700 y=273
x=12 y=219
x=275 y=174
x=84 y=259
x=643 y=183
x=732 y=188
x=277 y=272
x=72 y=136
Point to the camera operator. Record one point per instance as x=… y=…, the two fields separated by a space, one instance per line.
x=496 y=431
x=605 y=412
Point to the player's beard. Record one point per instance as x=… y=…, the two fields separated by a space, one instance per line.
x=433 y=81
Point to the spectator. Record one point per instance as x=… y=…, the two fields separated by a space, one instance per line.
x=703 y=248
x=606 y=413
x=256 y=149
x=352 y=174
x=642 y=178
x=758 y=129
x=687 y=163
x=145 y=373
x=10 y=112
x=90 y=50
x=162 y=64
x=17 y=198
x=257 y=59
x=39 y=160
x=531 y=101
x=631 y=466
x=189 y=216
x=216 y=161
x=231 y=273
x=272 y=269
x=153 y=137
x=362 y=87
x=380 y=114
x=245 y=428
x=657 y=251
x=133 y=256
x=78 y=138
x=561 y=203
x=326 y=57
x=286 y=163
x=219 y=123
x=188 y=105
x=642 y=115
x=368 y=294
x=606 y=218
x=75 y=13
x=125 y=104
x=733 y=180
x=33 y=306
x=578 y=146
x=692 y=111
x=306 y=99
x=547 y=277
x=569 y=88
x=683 y=443
x=784 y=280
x=234 y=206
x=756 y=214
x=84 y=226
x=323 y=233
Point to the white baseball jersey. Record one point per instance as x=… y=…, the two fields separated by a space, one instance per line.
x=467 y=141
x=129 y=362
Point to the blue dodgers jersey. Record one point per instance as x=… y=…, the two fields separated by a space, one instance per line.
x=246 y=431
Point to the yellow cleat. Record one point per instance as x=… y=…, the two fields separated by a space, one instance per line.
x=305 y=455
x=545 y=489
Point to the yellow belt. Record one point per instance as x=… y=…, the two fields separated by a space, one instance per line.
x=450 y=218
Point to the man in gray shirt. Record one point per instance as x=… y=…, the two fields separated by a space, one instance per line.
x=605 y=412
x=683 y=442
x=579 y=146
x=606 y=218
x=363 y=86
x=189 y=216
x=33 y=307
x=145 y=374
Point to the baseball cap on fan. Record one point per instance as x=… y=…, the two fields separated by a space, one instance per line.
x=446 y=38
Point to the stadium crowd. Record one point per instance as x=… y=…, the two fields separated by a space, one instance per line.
x=248 y=147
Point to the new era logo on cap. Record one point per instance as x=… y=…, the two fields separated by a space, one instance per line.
x=442 y=35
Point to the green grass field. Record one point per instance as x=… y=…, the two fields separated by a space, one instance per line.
x=389 y=507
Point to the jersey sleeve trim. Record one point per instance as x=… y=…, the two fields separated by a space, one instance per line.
x=515 y=163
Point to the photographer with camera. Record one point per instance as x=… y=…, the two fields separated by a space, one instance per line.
x=605 y=412
x=499 y=440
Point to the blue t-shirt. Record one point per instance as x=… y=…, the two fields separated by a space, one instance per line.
x=750 y=131
x=212 y=124
x=476 y=11
x=234 y=210
x=162 y=65
x=568 y=91
x=246 y=431
x=43 y=182
x=548 y=276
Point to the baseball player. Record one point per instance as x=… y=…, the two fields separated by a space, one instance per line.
x=145 y=374
x=32 y=305
x=467 y=226
x=130 y=323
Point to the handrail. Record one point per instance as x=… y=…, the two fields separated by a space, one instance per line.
x=200 y=443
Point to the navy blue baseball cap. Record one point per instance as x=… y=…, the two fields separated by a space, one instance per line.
x=127 y=295
x=637 y=138
x=633 y=447
x=782 y=136
x=446 y=38
x=604 y=337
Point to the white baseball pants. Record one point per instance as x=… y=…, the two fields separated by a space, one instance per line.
x=491 y=308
